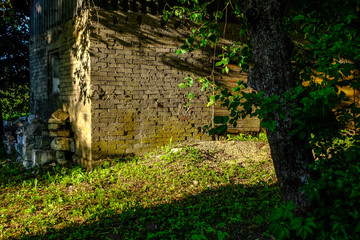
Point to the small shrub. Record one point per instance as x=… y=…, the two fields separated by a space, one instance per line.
x=15 y=102
x=335 y=197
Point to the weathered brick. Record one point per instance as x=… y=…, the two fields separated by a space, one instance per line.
x=140 y=105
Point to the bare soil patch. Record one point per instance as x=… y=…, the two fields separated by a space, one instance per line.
x=234 y=151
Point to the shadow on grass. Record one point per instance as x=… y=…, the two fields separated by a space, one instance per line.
x=225 y=212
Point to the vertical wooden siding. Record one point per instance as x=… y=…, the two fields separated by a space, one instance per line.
x=46 y=14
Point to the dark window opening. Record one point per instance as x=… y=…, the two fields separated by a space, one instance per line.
x=54 y=73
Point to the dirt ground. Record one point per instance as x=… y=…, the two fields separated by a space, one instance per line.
x=238 y=151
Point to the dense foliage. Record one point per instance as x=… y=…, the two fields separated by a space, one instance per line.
x=328 y=116
x=15 y=101
x=14 y=58
x=325 y=103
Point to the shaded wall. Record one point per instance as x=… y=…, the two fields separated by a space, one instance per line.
x=136 y=102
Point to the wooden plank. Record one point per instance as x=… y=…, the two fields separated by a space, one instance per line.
x=69 y=8
x=133 y=6
x=56 y=6
x=161 y=6
x=153 y=7
x=125 y=5
x=45 y=14
x=36 y=20
x=64 y=10
x=230 y=81
x=245 y=125
x=52 y=14
x=222 y=112
x=228 y=85
x=72 y=8
x=41 y=17
x=59 y=4
x=233 y=77
x=143 y=6
x=243 y=129
x=32 y=19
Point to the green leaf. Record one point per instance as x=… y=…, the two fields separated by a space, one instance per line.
x=179 y=12
x=271 y=125
x=205 y=86
x=349 y=18
x=213 y=38
x=219 y=63
x=212 y=131
x=320 y=183
x=190 y=81
x=357 y=227
x=165 y=15
x=293 y=132
x=242 y=32
x=296 y=223
x=220 y=129
x=212 y=100
x=221 y=119
x=182 y=85
x=236 y=89
x=203 y=42
x=245 y=52
x=302 y=135
x=299 y=18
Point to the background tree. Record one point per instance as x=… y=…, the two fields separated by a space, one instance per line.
x=14 y=57
x=303 y=54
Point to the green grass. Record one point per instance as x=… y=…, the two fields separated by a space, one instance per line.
x=247 y=137
x=163 y=195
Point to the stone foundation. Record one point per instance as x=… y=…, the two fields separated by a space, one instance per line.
x=37 y=143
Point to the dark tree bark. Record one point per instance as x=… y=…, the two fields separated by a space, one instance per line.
x=272 y=74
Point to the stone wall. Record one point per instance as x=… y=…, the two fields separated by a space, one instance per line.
x=37 y=143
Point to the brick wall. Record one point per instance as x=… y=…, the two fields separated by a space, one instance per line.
x=136 y=103
x=119 y=78
x=70 y=42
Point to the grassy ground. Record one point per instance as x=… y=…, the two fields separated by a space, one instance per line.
x=184 y=193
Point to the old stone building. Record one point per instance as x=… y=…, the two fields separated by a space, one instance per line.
x=116 y=74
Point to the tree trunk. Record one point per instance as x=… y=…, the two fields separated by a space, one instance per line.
x=272 y=74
